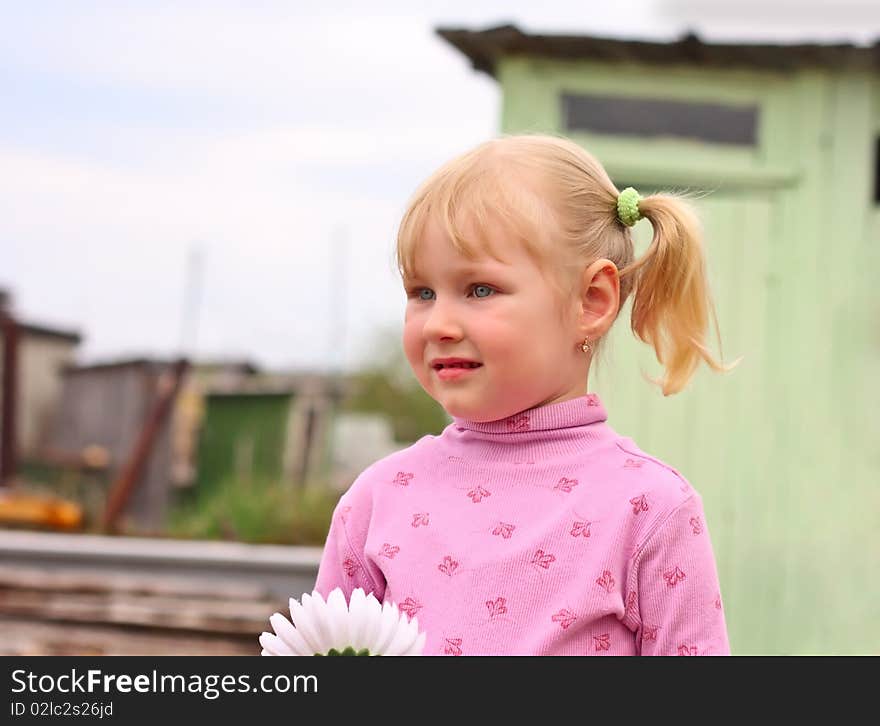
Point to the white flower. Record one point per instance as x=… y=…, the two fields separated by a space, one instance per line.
x=363 y=627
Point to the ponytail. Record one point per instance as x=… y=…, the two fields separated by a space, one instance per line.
x=672 y=299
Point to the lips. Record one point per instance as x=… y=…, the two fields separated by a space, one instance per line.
x=439 y=364
x=454 y=371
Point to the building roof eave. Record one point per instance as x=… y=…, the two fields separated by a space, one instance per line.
x=484 y=48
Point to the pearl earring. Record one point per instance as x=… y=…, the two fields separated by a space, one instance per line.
x=586 y=347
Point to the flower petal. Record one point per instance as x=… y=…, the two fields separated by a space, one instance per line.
x=419 y=646
x=405 y=635
x=337 y=620
x=357 y=618
x=284 y=630
x=373 y=623
x=305 y=626
x=387 y=629
x=418 y=643
x=319 y=615
x=274 y=645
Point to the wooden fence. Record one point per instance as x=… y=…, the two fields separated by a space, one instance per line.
x=142 y=597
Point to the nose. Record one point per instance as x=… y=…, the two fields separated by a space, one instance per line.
x=443 y=322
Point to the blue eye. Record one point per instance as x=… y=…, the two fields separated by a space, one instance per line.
x=426 y=294
x=489 y=291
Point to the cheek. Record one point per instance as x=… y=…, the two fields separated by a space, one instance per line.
x=534 y=335
x=504 y=333
x=411 y=342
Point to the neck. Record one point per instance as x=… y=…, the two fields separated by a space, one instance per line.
x=575 y=426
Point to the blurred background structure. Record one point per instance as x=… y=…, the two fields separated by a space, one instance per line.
x=163 y=492
x=128 y=443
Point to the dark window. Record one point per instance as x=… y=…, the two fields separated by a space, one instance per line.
x=712 y=122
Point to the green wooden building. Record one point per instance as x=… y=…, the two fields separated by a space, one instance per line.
x=781 y=143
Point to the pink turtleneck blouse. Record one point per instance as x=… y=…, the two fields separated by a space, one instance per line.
x=545 y=533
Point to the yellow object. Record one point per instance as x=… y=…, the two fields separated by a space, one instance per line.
x=25 y=508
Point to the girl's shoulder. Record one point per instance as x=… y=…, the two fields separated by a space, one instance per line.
x=653 y=493
x=653 y=476
x=398 y=468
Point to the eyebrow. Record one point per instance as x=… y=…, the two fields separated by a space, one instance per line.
x=470 y=269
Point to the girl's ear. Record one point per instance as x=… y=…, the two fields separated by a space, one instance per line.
x=599 y=297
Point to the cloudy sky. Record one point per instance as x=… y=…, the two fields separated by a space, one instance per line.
x=264 y=152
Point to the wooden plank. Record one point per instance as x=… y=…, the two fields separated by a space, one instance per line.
x=26 y=637
x=12 y=577
x=160 y=612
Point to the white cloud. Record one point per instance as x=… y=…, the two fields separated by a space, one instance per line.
x=792 y=21
x=119 y=236
x=238 y=52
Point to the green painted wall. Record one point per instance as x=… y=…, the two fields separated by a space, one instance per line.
x=243 y=435
x=785 y=450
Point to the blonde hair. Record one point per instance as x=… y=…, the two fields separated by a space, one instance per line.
x=557 y=200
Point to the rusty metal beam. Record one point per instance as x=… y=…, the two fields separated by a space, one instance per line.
x=133 y=467
x=8 y=424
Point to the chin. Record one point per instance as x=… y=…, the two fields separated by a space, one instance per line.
x=459 y=410
x=473 y=412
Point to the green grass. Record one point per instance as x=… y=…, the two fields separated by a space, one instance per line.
x=260 y=511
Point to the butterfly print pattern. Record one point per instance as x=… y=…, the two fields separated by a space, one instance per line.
x=580 y=529
x=504 y=529
x=420 y=519
x=606 y=581
x=518 y=423
x=478 y=494
x=403 y=478
x=718 y=601
x=640 y=504
x=673 y=577
x=649 y=632
x=633 y=464
x=687 y=650
x=410 y=606
x=631 y=603
x=602 y=642
x=592 y=399
x=564 y=617
x=350 y=565
x=541 y=559
x=566 y=485
x=696 y=524
x=448 y=566
x=453 y=646
x=389 y=550
x=496 y=607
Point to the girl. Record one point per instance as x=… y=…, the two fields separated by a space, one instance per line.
x=529 y=526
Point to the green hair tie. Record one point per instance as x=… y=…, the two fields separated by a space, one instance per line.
x=628 y=207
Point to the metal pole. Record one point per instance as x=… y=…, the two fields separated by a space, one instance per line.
x=8 y=426
x=192 y=293
x=336 y=340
